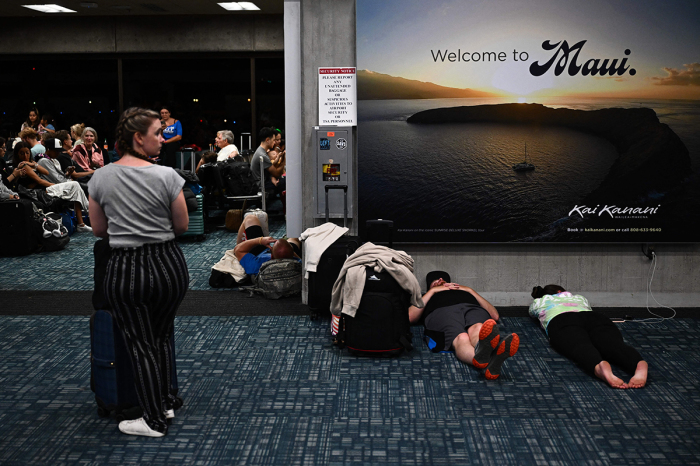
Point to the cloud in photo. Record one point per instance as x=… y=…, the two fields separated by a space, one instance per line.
x=690 y=76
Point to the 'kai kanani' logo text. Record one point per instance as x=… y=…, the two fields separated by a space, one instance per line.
x=613 y=210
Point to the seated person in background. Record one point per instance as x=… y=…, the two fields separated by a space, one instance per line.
x=87 y=154
x=253 y=249
x=59 y=183
x=6 y=193
x=224 y=141
x=586 y=337
x=207 y=157
x=276 y=153
x=457 y=318
x=47 y=123
x=66 y=160
x=76 y=132
x=31 y=137
x=268 y=140
x=3 y=148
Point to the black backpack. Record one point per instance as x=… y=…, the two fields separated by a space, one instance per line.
x=380 y=326
x=238 y=177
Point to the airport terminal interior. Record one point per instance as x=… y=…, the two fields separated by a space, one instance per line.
x=261 y=381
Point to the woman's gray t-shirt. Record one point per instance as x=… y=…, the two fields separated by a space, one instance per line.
x=136 y=202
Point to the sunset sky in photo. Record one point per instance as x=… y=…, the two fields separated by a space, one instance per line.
x=396 y=37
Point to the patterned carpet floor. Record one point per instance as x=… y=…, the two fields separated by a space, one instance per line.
x=274 y=391
x=71 y=269
x=265 y=389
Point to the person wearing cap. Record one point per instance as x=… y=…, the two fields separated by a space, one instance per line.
x=457 y=318
x=60 y=184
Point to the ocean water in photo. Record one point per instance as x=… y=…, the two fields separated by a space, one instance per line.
x=457 y=179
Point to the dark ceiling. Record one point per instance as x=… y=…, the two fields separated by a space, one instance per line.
x=14 y=8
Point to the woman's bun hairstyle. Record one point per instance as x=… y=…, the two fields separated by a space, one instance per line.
x=538 y=291
x=133 y=120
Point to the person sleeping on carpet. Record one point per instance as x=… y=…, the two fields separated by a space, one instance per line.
x=585 y=336
x=457 y=318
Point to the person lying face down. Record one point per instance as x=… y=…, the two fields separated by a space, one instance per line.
x=585 y=336
x=457 y=318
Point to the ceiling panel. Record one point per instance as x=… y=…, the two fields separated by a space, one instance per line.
x=14 y=8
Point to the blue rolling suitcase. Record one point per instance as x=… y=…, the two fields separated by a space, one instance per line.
x=111 y=378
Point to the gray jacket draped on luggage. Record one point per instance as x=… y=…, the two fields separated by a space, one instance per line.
x=348 y=288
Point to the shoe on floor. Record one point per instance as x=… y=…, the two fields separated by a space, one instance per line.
x=83 y=228
x=488 y=341
x=508 y=347
x=139 y=427
x=169 y=413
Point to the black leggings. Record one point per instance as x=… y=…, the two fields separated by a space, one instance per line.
x=588 y=338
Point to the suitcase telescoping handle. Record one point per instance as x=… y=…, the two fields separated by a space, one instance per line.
x=344 y=187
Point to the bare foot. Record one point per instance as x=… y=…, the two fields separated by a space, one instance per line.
x=640 y=375
x=604 y=371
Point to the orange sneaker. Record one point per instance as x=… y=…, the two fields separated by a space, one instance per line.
x=508 y=347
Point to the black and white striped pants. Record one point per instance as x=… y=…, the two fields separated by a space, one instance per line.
x=144 y=287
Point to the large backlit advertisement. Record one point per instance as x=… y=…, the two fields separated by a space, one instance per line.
x=530 y=121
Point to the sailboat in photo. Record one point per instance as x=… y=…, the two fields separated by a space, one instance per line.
x=524 y=166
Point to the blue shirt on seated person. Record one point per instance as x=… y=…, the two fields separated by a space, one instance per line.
x=251 y=262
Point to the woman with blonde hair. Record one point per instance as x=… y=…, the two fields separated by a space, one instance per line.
x=141 y=208
x=76 y=132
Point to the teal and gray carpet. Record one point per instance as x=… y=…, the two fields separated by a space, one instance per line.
x=263 y=389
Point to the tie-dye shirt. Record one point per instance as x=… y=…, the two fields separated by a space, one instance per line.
x=549 y=306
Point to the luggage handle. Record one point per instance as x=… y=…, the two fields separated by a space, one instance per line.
x=344 y=187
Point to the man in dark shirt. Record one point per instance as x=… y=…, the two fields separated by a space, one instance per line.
x=269 y=137
x=457 y=318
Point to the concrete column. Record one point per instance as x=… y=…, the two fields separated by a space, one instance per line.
x=327 y=39
x=292 y=111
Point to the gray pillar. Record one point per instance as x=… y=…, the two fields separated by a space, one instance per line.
x=327 y=39
x=292 y=114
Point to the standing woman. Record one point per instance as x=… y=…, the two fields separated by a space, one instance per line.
x=172 y=133
x=87 y=154
x=585 y=336
x=141 y=208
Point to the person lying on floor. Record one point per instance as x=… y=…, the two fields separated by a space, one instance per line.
x=586 y=337
x=457 y=318
x=253 y=248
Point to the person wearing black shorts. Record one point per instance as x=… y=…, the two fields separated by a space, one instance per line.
x=457 y=318
x=253 y=248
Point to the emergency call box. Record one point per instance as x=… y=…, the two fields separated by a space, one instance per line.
x=333 y=167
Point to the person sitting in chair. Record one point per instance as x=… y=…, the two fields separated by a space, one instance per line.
x=253 y=248
x=457 y=318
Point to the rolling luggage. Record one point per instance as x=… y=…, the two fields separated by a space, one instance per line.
x=321 y=282
x=196 y=225
x=381 y=327
x=17 y=235
x=111 y=377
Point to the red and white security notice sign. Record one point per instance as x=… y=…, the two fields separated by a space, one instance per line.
x=337 y=97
